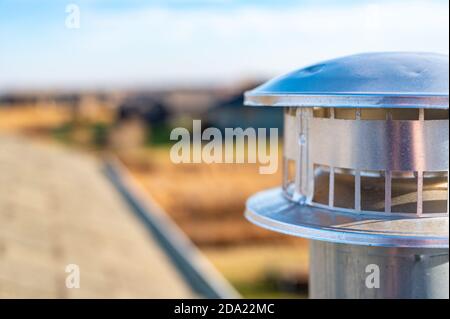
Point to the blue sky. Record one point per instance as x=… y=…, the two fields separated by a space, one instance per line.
x=135 y=43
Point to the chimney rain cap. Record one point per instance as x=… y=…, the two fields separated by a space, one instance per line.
x=369 y=80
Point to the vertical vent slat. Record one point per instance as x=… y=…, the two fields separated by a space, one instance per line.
x=388 y=190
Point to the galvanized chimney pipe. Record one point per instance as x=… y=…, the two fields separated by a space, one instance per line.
x=365 y=173
x=339 y=271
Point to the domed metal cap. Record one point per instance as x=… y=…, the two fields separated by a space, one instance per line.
x=370 y=80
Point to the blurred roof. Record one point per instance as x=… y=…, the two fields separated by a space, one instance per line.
x=56 y=208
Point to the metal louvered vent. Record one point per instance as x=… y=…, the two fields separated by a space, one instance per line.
x=365 y=163
x=368 y=160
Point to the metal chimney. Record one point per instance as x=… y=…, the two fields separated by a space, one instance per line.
x=366 y=161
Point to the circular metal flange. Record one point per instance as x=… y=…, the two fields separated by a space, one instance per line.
x=370 y=80
x=270 y=209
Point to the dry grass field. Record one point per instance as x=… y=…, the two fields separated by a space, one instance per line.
x=50 y=122
x=30 y=119
x=206 y=200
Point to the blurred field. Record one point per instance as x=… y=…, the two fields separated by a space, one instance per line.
x=206 y=201
x=30 y=119
x=264 y=270
x=52 y=122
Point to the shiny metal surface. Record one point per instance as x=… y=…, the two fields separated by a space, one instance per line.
x=371 y=80
x=358 y=146
x=380 y=145
x=342 y=271
x=270 y=209
x=291 y=133
x=365 y=172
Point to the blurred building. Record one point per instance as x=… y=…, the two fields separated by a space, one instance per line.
x=148 y=108
x=231 y=112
